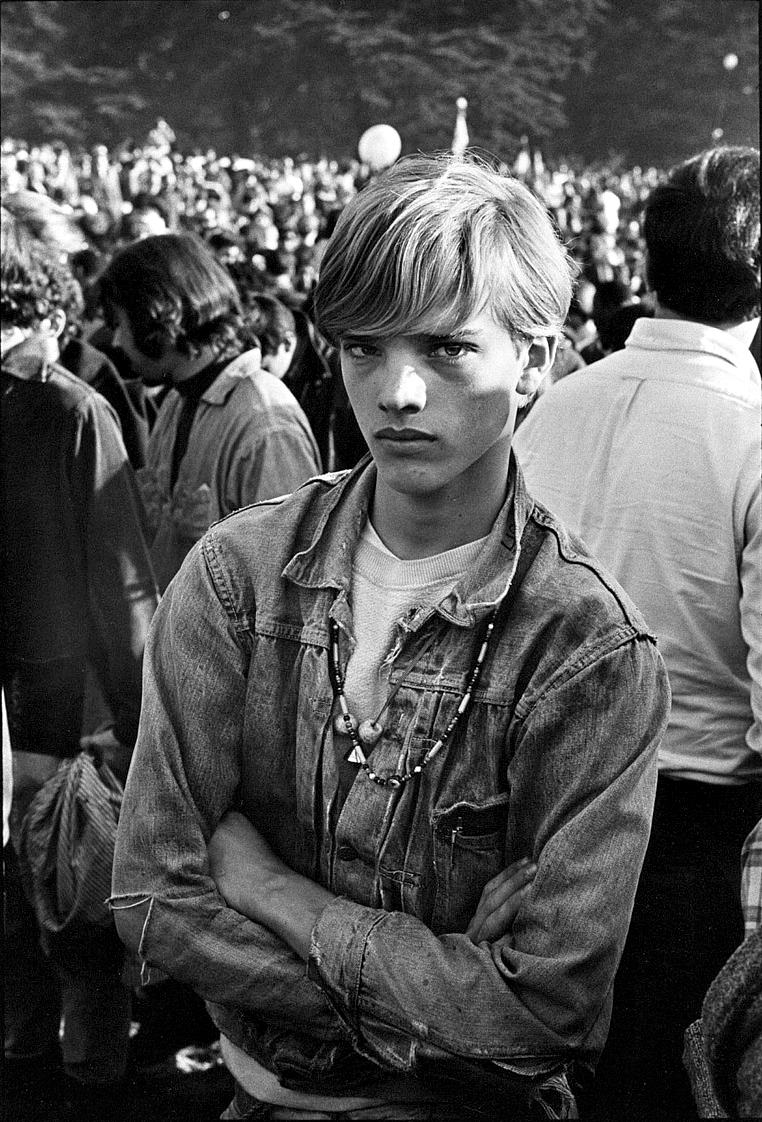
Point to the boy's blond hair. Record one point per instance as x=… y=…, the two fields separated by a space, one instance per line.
x=435 y=240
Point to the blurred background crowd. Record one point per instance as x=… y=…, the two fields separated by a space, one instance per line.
x=267 y=221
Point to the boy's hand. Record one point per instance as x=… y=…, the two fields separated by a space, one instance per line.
x=500 y=901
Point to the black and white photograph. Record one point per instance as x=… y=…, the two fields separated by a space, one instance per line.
x=381 y=560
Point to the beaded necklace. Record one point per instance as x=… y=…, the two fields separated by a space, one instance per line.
x=370 y=731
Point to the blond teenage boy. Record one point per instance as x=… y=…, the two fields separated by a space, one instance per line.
x=397 y=754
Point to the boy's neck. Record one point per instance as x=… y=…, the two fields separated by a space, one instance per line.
x=413 y=527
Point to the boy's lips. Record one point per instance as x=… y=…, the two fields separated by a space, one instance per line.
x=402 y=436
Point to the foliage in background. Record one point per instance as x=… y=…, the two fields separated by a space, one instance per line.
x=290 y=76
x=658 y=87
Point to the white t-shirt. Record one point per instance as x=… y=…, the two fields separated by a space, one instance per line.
x=384 y=590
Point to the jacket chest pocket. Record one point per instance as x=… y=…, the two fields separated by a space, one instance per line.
x=468 y=849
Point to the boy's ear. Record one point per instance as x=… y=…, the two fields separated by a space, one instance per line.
x=58 y=322
x=540 y=356
x=52 y=327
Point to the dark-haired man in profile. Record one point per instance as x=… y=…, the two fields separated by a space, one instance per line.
x=227 y=434
x=653 y=456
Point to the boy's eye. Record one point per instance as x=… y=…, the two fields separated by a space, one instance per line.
x=359 y=350
x=455 y=349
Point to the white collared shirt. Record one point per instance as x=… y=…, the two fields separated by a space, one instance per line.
x=652 y=456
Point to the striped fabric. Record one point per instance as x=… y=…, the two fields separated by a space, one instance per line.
x=751 y=880
x=67 y=849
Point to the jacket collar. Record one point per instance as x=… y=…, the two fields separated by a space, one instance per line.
x=686 y=336
x=327 y=560
x=29 y=360
x=244 y=366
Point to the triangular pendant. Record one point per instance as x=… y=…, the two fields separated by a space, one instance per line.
x=355 y=757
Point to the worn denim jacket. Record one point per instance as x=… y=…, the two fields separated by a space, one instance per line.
x=249 y=441
x=556 y=762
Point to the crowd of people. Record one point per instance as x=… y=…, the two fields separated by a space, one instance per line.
x=268 y=221
x=280 y=211
x=428 y=505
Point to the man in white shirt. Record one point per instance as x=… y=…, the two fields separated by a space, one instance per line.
x=653 y=456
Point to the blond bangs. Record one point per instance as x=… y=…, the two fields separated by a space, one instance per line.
x=395 y=277
x=434 y=242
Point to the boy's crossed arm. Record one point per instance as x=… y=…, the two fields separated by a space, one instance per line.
x=254 y=881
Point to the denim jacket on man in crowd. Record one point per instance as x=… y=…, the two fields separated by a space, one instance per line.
x=249 y=441
x=556 y=762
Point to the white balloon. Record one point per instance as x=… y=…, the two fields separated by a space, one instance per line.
x=379 y=146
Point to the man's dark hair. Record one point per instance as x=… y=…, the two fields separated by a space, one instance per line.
x=223 y=239
x=272 y=321
x=702 y=235
x=174 y=293
x=609 y=295
x=247 y=278
x=144 y=200
x=34 y=281
x=616 y=330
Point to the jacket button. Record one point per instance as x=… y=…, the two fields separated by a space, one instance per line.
x=346 y=853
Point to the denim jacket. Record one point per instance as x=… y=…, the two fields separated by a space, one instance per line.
x=249 y=441
x=557 y=762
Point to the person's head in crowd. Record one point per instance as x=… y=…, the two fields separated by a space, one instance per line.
x=38 y=294
x=290 y=240
x=447 y=250
x=275 y=327
x=702 y=230
x=173 y=307
x=582 y=300
x=86 y=265
x=609 y=295
x=616 y=330
x=308 y=228
x=46 y=221
x=281 y=268
x=248 y=278
x=147 y=219
x=226 y=246
x=262 y=230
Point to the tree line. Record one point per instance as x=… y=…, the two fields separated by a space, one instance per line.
x=642 y=77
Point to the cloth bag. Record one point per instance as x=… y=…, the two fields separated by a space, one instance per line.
x=66 y=852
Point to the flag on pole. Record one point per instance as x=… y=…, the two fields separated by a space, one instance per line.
x=460 y=133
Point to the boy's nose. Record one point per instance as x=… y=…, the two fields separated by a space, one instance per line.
x=403 y=390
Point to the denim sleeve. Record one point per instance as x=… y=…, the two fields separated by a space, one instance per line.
x=121 y=585
x=184 y=776
x=583 y=778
